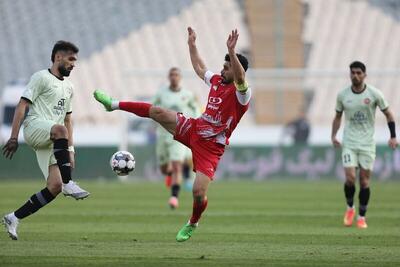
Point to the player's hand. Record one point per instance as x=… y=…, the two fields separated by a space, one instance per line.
x=232 y=40
x=10 y=148
x=72 y=159
x=191 y=36
x=336 y=142
x=393 y=143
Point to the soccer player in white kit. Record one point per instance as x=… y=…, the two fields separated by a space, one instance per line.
x=358 y=102
x=48 y=131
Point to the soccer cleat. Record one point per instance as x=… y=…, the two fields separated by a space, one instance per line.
x=104 y=99
x=186 y=232
x=72 y=189
x=173 y=202
x=168 y=181
x=11 y=224
x=362 y=223
x=349 y=217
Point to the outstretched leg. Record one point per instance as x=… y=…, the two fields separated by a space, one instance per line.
x=166 y=118
x=35 y=202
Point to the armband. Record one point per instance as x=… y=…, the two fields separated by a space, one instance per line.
x=242 y=87
x=392 y=128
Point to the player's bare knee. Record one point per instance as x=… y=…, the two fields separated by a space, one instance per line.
x=55 y=187
x=58 y=131
x=156 y=113
x=165 y=170
x=350 y=180
x=199 y=193
x=364 y=182
x=177 y=166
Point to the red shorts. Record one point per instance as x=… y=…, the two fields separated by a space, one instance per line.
x=206 y=153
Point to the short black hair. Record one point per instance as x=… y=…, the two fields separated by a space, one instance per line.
x=174 y=69
x=63 y=46
x=243 y=60
x=358 y=65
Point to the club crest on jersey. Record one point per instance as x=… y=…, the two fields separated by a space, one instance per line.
x=367 y=101
x=215 y=87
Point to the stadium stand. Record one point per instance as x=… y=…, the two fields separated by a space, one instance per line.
x=341 y=31
x=276 y=38
x=122 y=48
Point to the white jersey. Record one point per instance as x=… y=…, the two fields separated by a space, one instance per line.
x=50 y=97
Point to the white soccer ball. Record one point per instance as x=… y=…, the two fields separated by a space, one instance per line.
x=122 y=163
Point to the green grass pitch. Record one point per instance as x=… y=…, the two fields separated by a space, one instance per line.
x=275 y=223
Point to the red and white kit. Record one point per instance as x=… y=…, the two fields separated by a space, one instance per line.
x=207 y=136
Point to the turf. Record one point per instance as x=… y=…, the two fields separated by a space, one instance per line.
x=271 y=223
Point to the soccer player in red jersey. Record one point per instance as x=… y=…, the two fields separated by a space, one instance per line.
x=208 y=135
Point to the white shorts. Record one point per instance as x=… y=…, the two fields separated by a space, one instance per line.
x=37 y=136
x=358 y=158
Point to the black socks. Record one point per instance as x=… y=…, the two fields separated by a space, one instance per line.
x=363 y=197
x=36 y=202
x=61 y=154
x=349 y=191
x=175 y=190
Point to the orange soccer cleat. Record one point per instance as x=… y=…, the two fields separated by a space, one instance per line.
x=362 y=223
x=173 y=202
x=349 y=217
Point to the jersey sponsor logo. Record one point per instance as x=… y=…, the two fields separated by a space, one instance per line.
x=214 y=100
x=367 y=101
x=60 y=108
x=359 y=118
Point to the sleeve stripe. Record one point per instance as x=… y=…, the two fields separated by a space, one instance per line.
x=27 y=99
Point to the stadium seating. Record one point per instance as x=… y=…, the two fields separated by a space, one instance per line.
x=341 y=31
x=126 y=47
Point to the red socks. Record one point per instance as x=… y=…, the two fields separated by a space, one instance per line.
x=198 y=209
x=139 y=108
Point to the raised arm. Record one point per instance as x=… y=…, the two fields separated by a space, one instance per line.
x=392 y=128
x=12 y=144
x=197 y=63
x=239 y=75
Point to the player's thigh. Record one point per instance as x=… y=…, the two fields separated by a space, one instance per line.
x=165 y=117
x=37 y=133
x=349 y=158
x=366 y=160
x=54 y=180
x=45 y=158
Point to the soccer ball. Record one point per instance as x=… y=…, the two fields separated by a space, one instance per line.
x=122 y=163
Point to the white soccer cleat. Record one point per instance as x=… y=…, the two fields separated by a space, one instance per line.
x=72 y=189
x=11 y=224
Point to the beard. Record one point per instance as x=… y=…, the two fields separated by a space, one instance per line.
x=63 y=71
x=225 y=80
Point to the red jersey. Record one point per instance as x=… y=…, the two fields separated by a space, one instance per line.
x=225 y=108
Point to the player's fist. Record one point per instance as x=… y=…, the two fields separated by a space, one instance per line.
x=232 y=40
x=191 y=36
x=335 y=142
x=10 y=148
x=393 y=143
